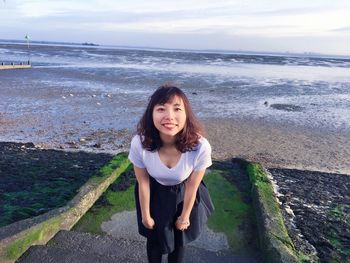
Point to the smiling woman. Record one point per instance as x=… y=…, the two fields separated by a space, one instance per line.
x=170 y=157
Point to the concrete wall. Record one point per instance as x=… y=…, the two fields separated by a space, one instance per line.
x=3 y=67
x=16 y=238
x=275 y=243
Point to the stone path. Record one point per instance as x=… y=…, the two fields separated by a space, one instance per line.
x=124 y=225
x=78 y=247
x=122 y=243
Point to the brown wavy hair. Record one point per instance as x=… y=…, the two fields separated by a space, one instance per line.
x=186 y=140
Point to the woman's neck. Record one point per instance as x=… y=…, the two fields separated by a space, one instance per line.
x=168 y=141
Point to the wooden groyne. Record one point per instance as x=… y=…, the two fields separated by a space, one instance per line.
x=14 y=66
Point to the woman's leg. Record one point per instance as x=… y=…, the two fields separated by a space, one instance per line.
x=177 y=255
x=153 y=252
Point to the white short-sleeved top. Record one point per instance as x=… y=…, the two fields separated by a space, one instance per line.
x=197 y=160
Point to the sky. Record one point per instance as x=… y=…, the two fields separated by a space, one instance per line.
x=297 y=26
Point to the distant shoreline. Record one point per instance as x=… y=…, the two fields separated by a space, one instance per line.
x=162 y=49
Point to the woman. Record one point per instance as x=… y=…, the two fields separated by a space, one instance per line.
x=170 y=157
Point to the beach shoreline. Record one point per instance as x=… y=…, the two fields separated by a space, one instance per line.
x=274 y=145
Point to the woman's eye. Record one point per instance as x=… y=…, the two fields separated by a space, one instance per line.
x=160 y=109
x=178 y=109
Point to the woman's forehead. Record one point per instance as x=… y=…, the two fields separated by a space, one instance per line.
x=174 y=100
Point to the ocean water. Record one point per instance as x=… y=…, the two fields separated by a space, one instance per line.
x=108 y=87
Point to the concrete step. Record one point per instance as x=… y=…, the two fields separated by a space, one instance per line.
x=101 y=245
x=79 y=247
x=48 y=254
x=199 y=255
x=71 y=246
x=133 y=250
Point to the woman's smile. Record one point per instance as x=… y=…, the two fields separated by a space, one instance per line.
x=169 y=125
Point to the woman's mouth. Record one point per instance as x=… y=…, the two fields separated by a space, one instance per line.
x=169 y=125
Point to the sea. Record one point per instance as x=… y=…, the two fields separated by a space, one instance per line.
x=103 y=87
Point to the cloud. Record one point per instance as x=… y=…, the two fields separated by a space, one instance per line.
x=342 y=29
x=196 y=18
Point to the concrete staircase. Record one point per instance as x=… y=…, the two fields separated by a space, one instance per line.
x=78 y=247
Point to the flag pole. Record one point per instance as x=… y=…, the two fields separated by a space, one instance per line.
x=27 y=38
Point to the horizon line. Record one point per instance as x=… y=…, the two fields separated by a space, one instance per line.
x=212 y=50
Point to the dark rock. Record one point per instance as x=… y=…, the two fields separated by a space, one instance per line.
x=240 y=161
x=37 y=180
x=320 y=202
x=29 y=145
x=287 y=107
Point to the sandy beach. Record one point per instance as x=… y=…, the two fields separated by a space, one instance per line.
x=276 y=146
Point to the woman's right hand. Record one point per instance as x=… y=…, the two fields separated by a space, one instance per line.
x=148 y=222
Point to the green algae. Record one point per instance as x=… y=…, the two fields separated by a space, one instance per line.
x=232 y=215
x=42 y=232
x=32 y=237
x=118 y=164
x=230 y=210
x=109 y=203
x=274 y=238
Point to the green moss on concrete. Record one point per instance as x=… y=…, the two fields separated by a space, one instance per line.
x=230 y=210
x=110 y=202
x=35 y=236
x=274 y=239
x=304 y=258
x=259 y=180
x=41 y=233
x=118 y=202
x=117 y=165
x=122 y=201
x=35 y=181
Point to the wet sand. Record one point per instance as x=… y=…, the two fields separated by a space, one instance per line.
x=279 y=146
x=272 y=144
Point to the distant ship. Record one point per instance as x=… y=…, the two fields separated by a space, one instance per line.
x=89 y=44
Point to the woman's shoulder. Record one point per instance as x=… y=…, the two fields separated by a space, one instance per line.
x=203 y=143
x=136 y=141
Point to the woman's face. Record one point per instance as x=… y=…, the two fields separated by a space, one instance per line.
x=169 y=118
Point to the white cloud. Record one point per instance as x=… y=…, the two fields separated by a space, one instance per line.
x=265 y=19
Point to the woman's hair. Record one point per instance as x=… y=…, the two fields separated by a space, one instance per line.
x=186 y=139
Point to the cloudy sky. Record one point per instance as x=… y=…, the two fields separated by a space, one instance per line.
x=321 y=26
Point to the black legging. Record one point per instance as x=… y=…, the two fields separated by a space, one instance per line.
x=154 y=254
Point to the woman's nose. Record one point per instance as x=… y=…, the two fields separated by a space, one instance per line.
x=169 y=114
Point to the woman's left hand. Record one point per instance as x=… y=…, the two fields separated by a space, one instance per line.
x=182 y=224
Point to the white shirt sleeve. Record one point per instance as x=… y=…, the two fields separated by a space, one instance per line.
x=203 y=159
x=135 y=153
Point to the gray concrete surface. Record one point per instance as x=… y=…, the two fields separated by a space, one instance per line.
x=124 y=224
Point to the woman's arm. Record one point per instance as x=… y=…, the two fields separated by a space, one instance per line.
x=144 y=196
x=191 y=187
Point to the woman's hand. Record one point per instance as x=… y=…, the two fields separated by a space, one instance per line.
x=182 y=223
x=148 y=222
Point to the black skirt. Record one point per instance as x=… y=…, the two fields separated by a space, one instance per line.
x=166 y=204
